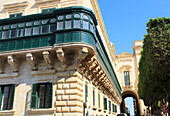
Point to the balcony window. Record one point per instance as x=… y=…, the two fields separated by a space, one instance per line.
x=44 y=21
x=68 y=24
x=35 y=30
x=13 y=33
x=48 y=10
x=76 y=15
x=110 y=106
x=52 y=27
x=37 y=23
x=126 y=78
x=5 y=35
x=6 y=97
x=15 y=15
x=68 y=16
x=85 y=25
x=77 y=24
x=59 y=25
x=27 y=31
x=113 y=106
x=41 y=96
x=44 y=29
x=20 y=32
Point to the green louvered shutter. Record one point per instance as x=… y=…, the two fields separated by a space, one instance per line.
x=86 y=92
x=116 y=108
x=105 y=103
x=113 y=106
x=109 y=105
x=0 y=96
x=50 y=92
x=34 y=97
x=11 y=97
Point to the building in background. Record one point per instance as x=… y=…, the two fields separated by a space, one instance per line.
x=56 y=60
x=126 y=68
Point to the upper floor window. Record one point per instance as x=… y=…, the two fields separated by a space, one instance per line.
x=93 y=97
x=113 y=106
x=105 y=103
x=15 y=15
x=116 y=108
x=48 y=10
x=6 y=96
x=126 y=78
x=99 y=99
x=86 y=92
x=110 y=106
x=41 y=96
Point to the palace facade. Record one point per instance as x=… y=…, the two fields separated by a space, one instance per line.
x=56 y=60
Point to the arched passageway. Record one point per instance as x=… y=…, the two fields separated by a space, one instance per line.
x=136 y=102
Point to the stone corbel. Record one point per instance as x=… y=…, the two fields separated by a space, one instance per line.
x=81 y=55
x=60 y=55
x=13 y=62
x=47 y=58
x=32 y=60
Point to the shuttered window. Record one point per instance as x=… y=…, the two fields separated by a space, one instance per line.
x=126 y=78
x=41 y=96
x=116 y=108
x=109 y=105
x=105 y=103
x=6 y=96
x=113 y=106
x=93 y=97
x=86 y=92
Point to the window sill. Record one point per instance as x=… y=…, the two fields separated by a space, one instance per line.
x=7 y=112
x=41 y=111
x=12 y=75
x=33 y=73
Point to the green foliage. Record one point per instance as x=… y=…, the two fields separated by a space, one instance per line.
x=154 y=68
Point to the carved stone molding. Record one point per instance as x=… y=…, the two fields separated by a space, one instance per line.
x=32 y=60
x=12 y=60
x=2 y=65
x=16 y=7
x=60 y=55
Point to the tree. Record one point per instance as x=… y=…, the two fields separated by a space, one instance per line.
x=154 y=65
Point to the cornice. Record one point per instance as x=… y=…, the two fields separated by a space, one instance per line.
x=16 y=7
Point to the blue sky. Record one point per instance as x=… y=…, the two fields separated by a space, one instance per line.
x=125 y=20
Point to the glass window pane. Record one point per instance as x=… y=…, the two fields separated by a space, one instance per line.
x=21 y=25
x=85 y=17
x=77 y=16
x=52 y=27
x=4 y=34
x=44 y=21
x=13 y=33
x=6 y=27
x=68 y=25
x=0 y=27
x=20 y=32
x=28 y=23
x=27 y=31
x=35 y=30
x=14 y=26
x=18 y=15
x=60 y=17
x=41 y=95
x=76 y=23
x=37 y=23
x=53 y=20
x=44 y=29
x=91 y=28
x=59 y=25
x=85 y=25
x=68 y=16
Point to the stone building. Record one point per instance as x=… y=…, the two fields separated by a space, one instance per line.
x=56 y=60
x=126 y=68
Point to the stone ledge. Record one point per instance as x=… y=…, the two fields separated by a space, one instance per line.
x=7 y=112
x=34 y=73
x=12 y=75
x=41 y=111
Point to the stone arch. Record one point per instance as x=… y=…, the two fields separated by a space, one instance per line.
x=131 y=93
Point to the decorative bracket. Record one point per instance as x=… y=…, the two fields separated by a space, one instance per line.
x=31 y=60
x=60 y=55
x=47 y=59
x=13 y=62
